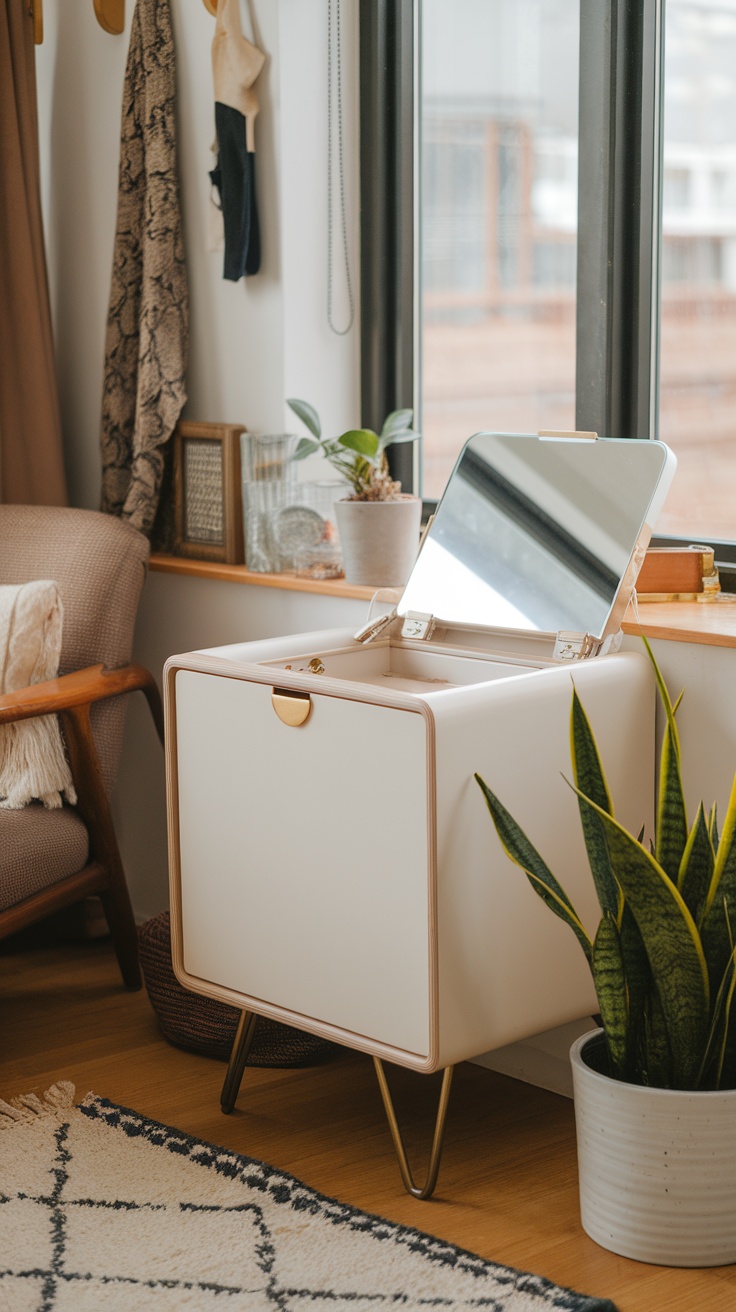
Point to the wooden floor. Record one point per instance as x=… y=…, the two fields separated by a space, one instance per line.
x=507 y=1187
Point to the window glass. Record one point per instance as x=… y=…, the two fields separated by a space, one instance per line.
x=498 y=222
x=698 y=312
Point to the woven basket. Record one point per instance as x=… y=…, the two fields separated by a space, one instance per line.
x=207 y=1026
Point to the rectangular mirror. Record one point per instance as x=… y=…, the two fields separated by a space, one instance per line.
x=537 y=533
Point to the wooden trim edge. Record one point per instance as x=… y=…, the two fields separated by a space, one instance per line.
x=703 y=623
x=710 y=623
x=210 y=569
x=63 y=893
x=424 y=1063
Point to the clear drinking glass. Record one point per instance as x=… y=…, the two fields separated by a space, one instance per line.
x=268 y=478
x=305 y=522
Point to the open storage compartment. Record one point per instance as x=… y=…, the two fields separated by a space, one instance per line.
x=393 y=664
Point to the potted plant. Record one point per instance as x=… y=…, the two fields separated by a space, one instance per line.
x=378 y=524
x=655 y=1095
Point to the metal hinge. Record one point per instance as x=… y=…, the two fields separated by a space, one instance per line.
x=417 y=625
x=573 y=646
x=375 y=626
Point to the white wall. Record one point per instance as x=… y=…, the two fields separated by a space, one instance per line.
x=253 y=343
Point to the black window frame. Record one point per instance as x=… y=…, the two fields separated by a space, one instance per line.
x=619 y=222
x=387 y=33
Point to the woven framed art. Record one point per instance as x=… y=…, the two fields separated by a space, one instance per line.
x=207 y=492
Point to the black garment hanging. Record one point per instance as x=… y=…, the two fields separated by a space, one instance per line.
x=236 y=64
x=234 y=176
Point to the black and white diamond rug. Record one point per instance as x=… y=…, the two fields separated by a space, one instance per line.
x=102 y=1210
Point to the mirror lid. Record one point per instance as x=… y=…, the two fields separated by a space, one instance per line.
x=540 y=533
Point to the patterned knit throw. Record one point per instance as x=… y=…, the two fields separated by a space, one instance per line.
x=148 y=317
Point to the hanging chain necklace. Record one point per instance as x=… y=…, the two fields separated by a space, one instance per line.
x=333 y=6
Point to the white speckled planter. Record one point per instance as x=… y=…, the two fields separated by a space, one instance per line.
x=657 y=1168
x=379 y=539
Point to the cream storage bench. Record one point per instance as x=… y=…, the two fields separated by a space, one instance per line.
x=333 y=865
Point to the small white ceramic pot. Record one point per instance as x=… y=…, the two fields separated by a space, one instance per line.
x=657 y=1167
x=379 y=539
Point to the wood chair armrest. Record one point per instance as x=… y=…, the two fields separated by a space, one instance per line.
x=71 y=696
x=82 y=688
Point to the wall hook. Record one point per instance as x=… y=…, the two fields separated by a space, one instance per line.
x=35 y=8
x=110 y=15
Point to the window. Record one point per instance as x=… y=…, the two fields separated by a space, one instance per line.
x=498 y=221
x=697 y=396
x=520 y=300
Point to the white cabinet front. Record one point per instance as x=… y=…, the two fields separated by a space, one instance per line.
x=304 y=856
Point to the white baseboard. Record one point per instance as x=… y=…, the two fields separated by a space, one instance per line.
x=543 y=1060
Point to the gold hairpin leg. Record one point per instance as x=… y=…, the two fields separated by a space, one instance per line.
x=234 y=1075
x=238 y=1058
x=427 y=1189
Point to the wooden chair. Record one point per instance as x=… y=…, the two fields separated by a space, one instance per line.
x=50 y=859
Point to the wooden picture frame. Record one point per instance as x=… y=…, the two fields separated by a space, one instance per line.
x=208 y=507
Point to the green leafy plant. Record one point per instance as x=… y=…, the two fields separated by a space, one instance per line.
x=663 y=959
x=358 y=454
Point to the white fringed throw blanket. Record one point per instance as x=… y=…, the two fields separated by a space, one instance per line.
x=32 y=760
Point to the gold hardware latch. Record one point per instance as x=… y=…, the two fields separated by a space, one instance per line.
x=292 y=708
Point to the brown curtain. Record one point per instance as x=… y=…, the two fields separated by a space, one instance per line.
x=31 y=460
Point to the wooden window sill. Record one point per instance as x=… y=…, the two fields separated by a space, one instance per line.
x=710 y=623
x=209 y=569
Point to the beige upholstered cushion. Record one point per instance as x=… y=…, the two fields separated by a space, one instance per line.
x=37 y=848
x=99 y=564
x=32 y=760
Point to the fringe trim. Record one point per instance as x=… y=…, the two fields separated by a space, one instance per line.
x=32 y=760
x=33 y=764
x=28 y=1107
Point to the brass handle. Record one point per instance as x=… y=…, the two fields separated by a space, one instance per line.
x=292 y=708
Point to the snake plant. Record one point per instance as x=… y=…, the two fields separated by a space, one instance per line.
x=663 y=958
